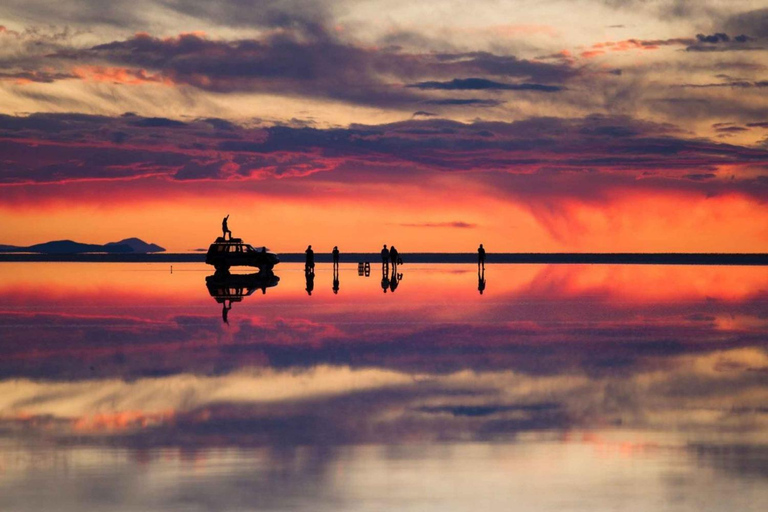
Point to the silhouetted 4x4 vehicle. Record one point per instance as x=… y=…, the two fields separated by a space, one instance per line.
x=223 y=254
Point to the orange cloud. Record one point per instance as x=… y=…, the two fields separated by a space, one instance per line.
x=121 y=420
x=591 y=53
x=633 y=44
x=119 y=75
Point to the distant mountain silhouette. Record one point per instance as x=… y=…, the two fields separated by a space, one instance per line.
x=127 y=246
x=136 y=245
x=70 y=247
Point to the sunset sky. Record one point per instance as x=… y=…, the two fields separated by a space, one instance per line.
x=546 y=125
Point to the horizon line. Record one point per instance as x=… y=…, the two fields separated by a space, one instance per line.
x=670 y=258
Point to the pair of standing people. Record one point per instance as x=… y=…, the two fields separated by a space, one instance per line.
x=309 y=261
x=309 y=269
x=390 y=256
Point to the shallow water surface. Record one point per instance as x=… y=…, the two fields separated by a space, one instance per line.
x=559 y=387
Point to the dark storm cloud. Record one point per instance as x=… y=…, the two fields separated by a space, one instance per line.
x=718 y=42
x=749 y=32
x=505 y=65
x=730 y=47
x=715 y=38
x=740 y=84
x=159 y=122
x=476 y=84
x=288 y=64
x=534 y=158
x=729 y=127
x=45 y=77
x=752 y=23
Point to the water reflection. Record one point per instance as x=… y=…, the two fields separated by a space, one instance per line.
x=309 y=278
x=385 y=276
x=390 y=281
x=336 y=283
x=569 y=384
x=481 y=278
x=227 y=288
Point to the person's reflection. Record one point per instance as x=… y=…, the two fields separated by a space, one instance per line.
x=394 y=281
x=225 y=307
x=310 y=277
x=481 y=279
x=384 y=275
x=336 y=278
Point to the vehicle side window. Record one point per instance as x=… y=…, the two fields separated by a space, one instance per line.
x=220 y=248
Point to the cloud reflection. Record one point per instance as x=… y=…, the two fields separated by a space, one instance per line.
x=546 y=348
x=135 y=365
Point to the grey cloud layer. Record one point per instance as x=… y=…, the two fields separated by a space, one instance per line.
x=320 y=67
x=296 y=50
x=140 y=14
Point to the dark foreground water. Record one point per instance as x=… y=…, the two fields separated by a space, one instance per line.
x=563 y=388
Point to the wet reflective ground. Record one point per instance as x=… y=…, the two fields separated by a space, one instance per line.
x=563 y=387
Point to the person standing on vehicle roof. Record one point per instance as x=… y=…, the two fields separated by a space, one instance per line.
x=225 y=228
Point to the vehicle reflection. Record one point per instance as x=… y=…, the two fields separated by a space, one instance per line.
x=227 y=288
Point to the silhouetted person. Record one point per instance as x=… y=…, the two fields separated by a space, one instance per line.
x=385 y=257
x=481 y=256
x=393 y=257
x=481 y=280
x=225 y=228
x=336 y=279
x=309 y=265
x=335 y=254
x=225 y=307
x=310 y=277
